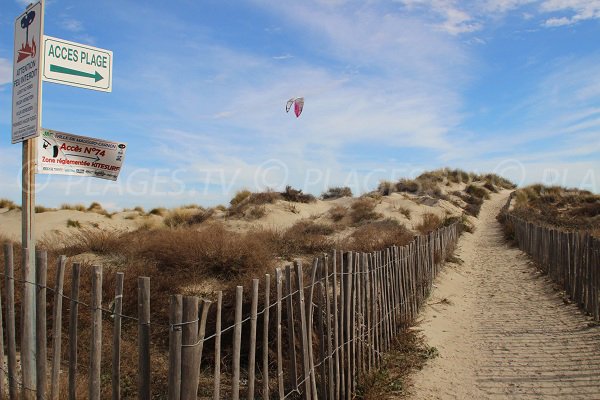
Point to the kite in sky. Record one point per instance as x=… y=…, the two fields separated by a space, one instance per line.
x=298 y=103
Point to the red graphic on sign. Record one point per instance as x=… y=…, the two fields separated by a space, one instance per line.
x=27 y=50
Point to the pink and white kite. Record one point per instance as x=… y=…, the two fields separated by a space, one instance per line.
x=298 y=103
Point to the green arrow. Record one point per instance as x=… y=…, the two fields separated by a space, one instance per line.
x=63 y=70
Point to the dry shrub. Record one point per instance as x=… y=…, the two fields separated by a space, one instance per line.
x=404 y=211
x=95 y=207
x=490 y=186
x=72 y=207
x=407 y=185
x=85 y=240
x=5 y=203
x=408 y=353
x=160 y=211
x=458 y=175
x=386 y=188
x=244 y=199
x=210 y=252
x=296 y=195
x=337 y=213
x=42 y=209
x=178 y=217
x=187 y=216
x=261 y=198
x=363 y=209
x=336 y=193
x=586 y=210
x=430 y=222
x=303 y=238
x=477 y=191
x=560 y=207
x=473 y=209
x=239 y=197
x=498 y=181
x=378 y=235
x=256 y=212
x=73 y=223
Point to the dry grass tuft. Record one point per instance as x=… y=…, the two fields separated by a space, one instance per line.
x=211 y=252
x=5 y=203
x=72 y=207
x=256 y=212
x=409 y=352
x=296 y=195
x=160 y=211
x=559 y=207
x=73 y=223
x=336 y=193
x=386 y=188
x=429 y=223
x=477 y=191
x=363 y=210
x=305 y=237
x=179 y=217
x=404 y=211
x=337 y=213
x=378 y=236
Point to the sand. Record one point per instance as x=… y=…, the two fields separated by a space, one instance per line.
x=278 y=216
x=506 y=333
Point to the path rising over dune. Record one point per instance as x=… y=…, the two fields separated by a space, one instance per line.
x=501 y=330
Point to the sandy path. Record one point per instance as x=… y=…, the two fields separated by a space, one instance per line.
x=505 y=332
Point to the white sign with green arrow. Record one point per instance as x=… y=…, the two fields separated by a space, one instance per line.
x=77 y=64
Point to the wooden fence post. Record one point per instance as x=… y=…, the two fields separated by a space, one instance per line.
x=41 y=340
x=175 y=318
x=279 y=288
x=96 y=344
x=252 y=354
x=9 y=269
x=28 y=370
x=144 y=338
x=293 y=378
x=303 y=329
x=57 y=328
x=237 y=342
x=265 y=341
x=330 y=350
x=116 y=350
x=201 y=333
x=217 y=375
x=73 y=319
x=189 y=337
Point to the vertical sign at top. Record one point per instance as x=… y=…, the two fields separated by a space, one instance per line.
x=26 y=106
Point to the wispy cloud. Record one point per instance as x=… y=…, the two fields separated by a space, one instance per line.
x=72 y=24
x=577 y=10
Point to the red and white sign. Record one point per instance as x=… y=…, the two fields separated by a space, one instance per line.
x=27 y=80
x=62 y=153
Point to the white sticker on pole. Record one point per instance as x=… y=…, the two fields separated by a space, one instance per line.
x=26 y=74
x=62 y=153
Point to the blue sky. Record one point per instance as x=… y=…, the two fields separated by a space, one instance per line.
x=392 y=88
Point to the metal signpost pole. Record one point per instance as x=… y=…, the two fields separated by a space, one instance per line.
x=26 y=123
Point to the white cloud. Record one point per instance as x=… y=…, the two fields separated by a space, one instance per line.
x=455 y=20
x=72 y=24
x=579 y=10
